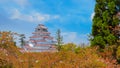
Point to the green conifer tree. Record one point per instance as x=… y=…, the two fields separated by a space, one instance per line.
x=59 y=39
x=104 y=22
x=22 y=41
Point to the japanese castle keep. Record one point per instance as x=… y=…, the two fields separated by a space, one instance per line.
x=40 y=41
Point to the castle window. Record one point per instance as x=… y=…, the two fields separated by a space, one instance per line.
x=45 y=30
x=38 y=29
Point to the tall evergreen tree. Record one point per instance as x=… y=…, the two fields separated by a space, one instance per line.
x=104 y=22
x=59 y=39
x=22 y=41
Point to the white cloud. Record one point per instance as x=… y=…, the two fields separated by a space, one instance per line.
x=71 y=36
x=21 y=3
x=74 y=37
x=92 y=16
x=13 y=3
x=32 y=17
x=16 y=14
x=56 y=17
x=40 y=17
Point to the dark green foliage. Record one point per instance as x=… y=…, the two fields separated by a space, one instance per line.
x=22 y=41
x=104 y=22
x=98 y=40
x=59 y=39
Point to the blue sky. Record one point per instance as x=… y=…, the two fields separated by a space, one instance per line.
x=73 y=17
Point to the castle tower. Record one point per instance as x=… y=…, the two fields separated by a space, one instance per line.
x=41 y=41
